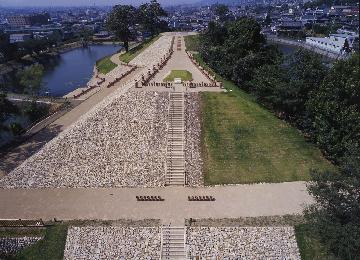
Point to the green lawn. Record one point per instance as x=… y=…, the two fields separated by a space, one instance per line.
x=105 y=65
x=183 y=74
x=51 y=247
x=310 y=248
x=192 y=42
x=132 y=53
x=242 y=142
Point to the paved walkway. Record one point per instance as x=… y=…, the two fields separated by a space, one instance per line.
x=112 y=204
x=180 y=61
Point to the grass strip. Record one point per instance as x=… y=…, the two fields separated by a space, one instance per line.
x=105 y=65
x=243 y=142
x=184 y=75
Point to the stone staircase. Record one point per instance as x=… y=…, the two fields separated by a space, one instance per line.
x=173 y=243
x=175 y=161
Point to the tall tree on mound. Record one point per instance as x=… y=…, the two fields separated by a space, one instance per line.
x=149 y=17
x=121 y=21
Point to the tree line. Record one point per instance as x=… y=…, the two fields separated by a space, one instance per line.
x=126 y=20
x=322 y=101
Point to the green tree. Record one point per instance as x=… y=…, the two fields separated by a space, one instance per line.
x=8 y=50
x=121 y=22
x=222 y=12
x=6 y=108
x=335 y=107
x=306 y=73
x=335 y=216
x=267 y=20
x=346 y=47
x=269 y=83
x=149 y=17
x=31 y=79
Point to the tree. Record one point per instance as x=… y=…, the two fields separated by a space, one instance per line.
x=8 y=50
x=335 y=107
x=307 y=74
x=267 y=20
x=335 y=216
x=346 y=47
x=222 y=12
x=149 y=17
x=31 y=79
x=6 y=108
x=121 y=21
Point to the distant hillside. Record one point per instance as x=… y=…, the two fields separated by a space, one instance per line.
x=225 y=2
x=331 y=2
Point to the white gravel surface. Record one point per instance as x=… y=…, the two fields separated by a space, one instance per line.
x=121 y=144
x=12 y=245
x=242 y=243
x=113 y=243
x=193 y=160
x=154 y=53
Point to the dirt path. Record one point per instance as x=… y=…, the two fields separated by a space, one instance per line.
x=111 y=204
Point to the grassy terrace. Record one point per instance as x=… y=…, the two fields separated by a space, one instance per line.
x=105 y=65
x=183 y=74
x=131 y=54
x=243 y=142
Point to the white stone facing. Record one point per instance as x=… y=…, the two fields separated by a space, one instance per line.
x=122 y=144
x=154 y=53
x=193 y=160
x=113 y=242
x=12 y=245
x=242 y=243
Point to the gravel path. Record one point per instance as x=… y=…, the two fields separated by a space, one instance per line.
x=113 y=243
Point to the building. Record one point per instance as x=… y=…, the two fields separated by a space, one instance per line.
x=28 y=20
x=334 y=43
x=289 y=27
x=19 y=37
x=19 y=21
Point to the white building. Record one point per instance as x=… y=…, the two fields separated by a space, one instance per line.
x=334 y=43
x=19 y=37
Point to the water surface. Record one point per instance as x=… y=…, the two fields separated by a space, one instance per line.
x=73 y=69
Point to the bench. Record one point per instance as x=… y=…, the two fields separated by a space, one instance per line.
x=149 y=198
x=201 y=198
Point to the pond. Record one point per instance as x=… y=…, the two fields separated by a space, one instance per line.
x=73 y=69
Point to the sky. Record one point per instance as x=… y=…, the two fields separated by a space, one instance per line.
x=36 y=3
